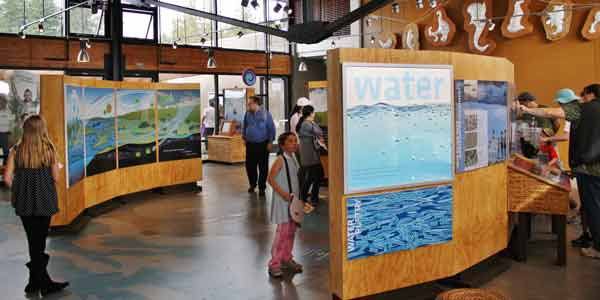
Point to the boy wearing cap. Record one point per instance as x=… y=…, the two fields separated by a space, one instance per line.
x=584 y=151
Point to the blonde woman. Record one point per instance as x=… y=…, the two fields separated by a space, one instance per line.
x=31 y=172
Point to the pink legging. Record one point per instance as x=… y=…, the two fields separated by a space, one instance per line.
x=283 y=244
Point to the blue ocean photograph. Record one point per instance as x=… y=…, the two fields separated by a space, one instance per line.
x=136 y=127
x=74 y=135
x=179 y=124
x=481 y=106
x=99 y=121
x=396 y=221
x=396 y=132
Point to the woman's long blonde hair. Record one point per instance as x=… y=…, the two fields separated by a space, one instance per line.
x=35 y=150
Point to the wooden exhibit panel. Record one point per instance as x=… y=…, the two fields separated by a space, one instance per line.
x=227 y=149
x=531 y=194
x=480 y=200
x=99 y=188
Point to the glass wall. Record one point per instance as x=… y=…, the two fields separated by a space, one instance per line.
x=138 y=24
x=187 y=29
x=14 y=13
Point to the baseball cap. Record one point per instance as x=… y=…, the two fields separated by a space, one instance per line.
x=303 y=101
x=564 y=96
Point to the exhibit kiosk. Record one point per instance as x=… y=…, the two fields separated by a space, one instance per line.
x=404 y=208
x=118 y=138
x=228 y=146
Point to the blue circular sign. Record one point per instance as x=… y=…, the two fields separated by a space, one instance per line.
x=249 y=77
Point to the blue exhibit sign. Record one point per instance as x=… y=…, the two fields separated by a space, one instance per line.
x=398 y=126
x=385 y=223
x=249 y=77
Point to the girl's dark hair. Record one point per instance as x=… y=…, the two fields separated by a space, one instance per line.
x=306 y=112
x=281 y=140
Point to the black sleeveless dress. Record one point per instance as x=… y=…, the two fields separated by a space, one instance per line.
x=34 y=192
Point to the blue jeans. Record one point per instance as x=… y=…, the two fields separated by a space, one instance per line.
x=589 y=190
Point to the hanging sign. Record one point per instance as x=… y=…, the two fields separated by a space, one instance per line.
x=249 y=77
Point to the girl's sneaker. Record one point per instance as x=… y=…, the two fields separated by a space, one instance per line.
x=275 y=272
x=590 y=252
x=292 y=266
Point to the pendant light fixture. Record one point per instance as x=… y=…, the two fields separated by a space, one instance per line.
x=277 y=7
x=245 y=3
x=254 y=3
x=83 y=56
x=211 y=63
x=302 y=67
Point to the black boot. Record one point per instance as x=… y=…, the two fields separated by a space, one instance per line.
x=48 y=286
x=33 y=285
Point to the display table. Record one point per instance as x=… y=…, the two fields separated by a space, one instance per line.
x=531 y=193
x=227 y=149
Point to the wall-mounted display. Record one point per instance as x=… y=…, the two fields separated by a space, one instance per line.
x=97 y=111
x=516 y=23
x=136 y=127
x=19 y=98
x=234 y=103
x=75 y=135
x=385 y=223
x=556 y=19
x=410 y=37
x=477 y=14
x=179 y=123
x=441 y=32
x=591 y=28
x=482 y=136
x=398 y=125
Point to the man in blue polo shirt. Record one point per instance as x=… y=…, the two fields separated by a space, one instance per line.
x=259 y=133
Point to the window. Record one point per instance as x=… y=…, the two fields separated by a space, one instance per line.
x=187 y=29
x=237 y=38
x=138 y=24
x=15 y=13
x=83 y=22
x=278 y=20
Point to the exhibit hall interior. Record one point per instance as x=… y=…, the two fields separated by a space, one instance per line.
x=300 y=149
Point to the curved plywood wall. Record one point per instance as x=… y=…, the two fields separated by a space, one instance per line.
x=480 y=217
x=99 y=188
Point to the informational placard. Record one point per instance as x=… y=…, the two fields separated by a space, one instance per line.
x=318 y=98
x=97 y=110
x=136 y=127
x=234 y=105
x=75 y=134
x=482 y=137
x=179 y=119
x=385 y=223
x=398 y=126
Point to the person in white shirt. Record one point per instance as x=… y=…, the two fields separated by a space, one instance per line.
x=297 y=113
x=208 y=119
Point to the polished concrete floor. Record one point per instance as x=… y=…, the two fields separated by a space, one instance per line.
x=215 y=244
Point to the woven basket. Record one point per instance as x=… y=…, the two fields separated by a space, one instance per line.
x=471 y=294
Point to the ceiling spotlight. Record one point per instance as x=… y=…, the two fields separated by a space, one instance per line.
x=202 y=40
x=396 y=8
x=277 y=7
x=41 y=26
x=302 y=67
x=83 y=56
x=333 y=44
x=22 y=35
x=245 y=3
x=372 y=41
x=240 y=34
x=211 y=63
x=254 y=3
x=420 y=4
x=288 y=9
x=175 y=45
x=433 y=3
x=88 y=45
